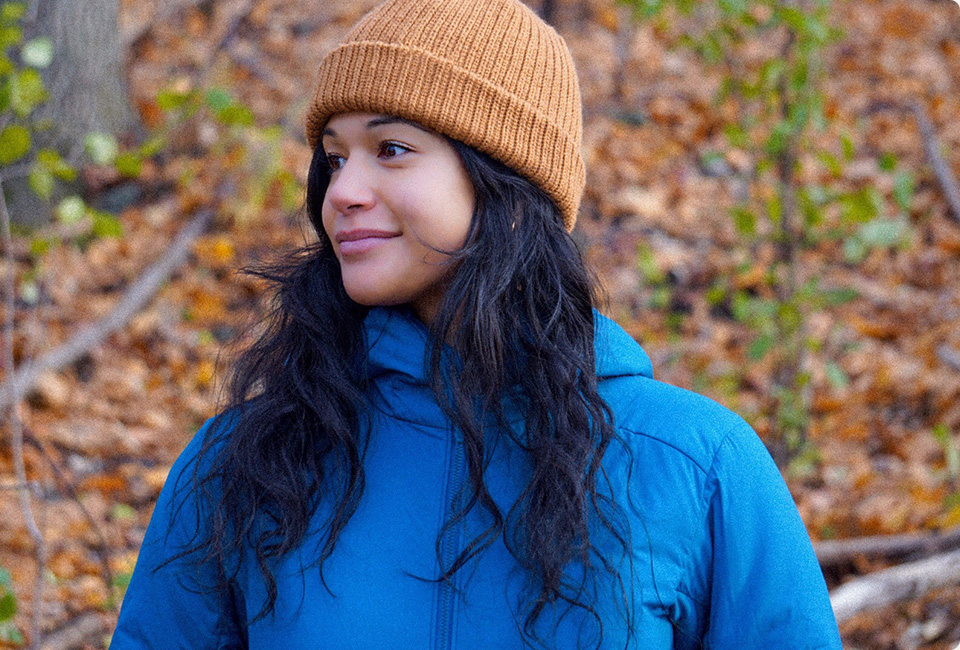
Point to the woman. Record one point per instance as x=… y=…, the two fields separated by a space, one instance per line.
x=437 y=442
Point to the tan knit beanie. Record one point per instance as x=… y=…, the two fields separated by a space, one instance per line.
x=489 y=73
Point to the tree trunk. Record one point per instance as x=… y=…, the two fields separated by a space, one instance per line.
x=86 y=85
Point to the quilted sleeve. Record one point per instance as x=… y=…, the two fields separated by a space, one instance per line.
x=766 y=587
x=171 y=602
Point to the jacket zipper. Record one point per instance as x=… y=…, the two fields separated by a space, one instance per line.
x=449 y=547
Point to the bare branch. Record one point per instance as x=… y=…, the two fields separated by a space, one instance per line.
x=77 y=633
x=136 y=297
x=16 y=435
x=895 y=584
x=102 y=548
x=949 y=356
x=941 y=168
x=831 y=553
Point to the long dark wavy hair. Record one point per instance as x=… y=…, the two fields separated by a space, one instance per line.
x=518 y=310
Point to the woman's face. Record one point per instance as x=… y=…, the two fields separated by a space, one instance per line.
x=399 y=200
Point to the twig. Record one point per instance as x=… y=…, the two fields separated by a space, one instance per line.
x=16 y=435
x=235 y=21
x=254 y=67
x=940 y=166
x=29 y=486
x=102 y=546
x=831 y=553
x=76 y=634
x=164 y=11
x=135 y=298
x=949 y=356
x=33 y=11
x=895 y=584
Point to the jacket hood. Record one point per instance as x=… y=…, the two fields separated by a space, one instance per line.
x=399 y=343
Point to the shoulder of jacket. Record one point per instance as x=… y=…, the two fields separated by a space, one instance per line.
x=681 y=423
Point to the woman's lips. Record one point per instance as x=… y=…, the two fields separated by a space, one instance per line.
x=355 y=242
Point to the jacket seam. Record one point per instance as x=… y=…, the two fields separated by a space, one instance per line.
x=712 y=474
x=706 y=470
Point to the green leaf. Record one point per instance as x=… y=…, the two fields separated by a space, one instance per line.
x=942 y=433
x=10 y=35
x=12 y=11
x=770 y=73
x=836 y=377
x=830 y=162
x=29 y=291
x=883 y=233
x=818 y=30
x=759 y=347
x=861 y=206
x=745 y=221
x=14 y=143
x=122 y=512
x=888 y=162
x=950 y=450
x=41 y=181
x=151 y=147
x=101 y=147
x=736 y=136
x=56 y=165
x=794 y=18
x=648 y=267
x=27 y=91
x=818 y=115
x=835 y=297
x=71 y=209
x=903 y=190
x=218 y=99
x=716 y=295
x=854 y=250
x=8 y=606
x=848 y=149
x=106 y=225
x=733 y=7
x=38 y=52
x=169 y=100
x=4 y=95
x=774 y=209
x=40 y=246
x=236 y=114
x=779 y=138
x=122 y=580
x=711 y=48
x=6 y=66
x=10 y=633
x=129 y=164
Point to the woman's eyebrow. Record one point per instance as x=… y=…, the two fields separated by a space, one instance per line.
x=381 y=121
x=389 y=119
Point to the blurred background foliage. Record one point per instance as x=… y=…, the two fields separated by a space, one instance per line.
x=771 y=208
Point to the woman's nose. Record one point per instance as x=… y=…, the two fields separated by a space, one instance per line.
x=350 y=187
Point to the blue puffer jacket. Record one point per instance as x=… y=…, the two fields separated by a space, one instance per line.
x=721 y=559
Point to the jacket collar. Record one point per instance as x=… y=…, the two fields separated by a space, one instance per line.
x=397 y=342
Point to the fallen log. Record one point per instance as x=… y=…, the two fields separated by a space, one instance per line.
x=78 y=633
x=834 y=552
x=896 y=584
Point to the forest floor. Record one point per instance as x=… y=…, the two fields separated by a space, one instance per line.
x=102 y=433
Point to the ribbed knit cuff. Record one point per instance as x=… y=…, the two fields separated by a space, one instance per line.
x=418 y=85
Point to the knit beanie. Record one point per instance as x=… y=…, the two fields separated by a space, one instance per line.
x=489 y=73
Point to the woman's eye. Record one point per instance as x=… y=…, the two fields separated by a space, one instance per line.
x=334 y=161
x=392 y=149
